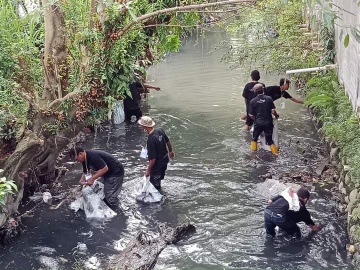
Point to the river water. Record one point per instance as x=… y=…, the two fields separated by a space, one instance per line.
x=213 y=181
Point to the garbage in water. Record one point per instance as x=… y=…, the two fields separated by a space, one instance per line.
x=119 y=114
x=92 y=202
x=47 y=197
x=147 y=193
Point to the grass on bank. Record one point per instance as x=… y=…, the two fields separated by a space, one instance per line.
x=340 y=123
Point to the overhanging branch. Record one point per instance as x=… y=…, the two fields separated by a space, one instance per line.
x=182 y=9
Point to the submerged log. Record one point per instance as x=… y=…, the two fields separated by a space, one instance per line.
x=142 y=252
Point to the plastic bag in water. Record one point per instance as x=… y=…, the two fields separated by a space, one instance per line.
x=92 y=202
x=147 y=193
x=119 y=114
x=275 y=137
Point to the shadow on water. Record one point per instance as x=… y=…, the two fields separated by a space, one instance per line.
x=212 y=182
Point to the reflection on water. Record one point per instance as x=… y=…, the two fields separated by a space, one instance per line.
x=212 y=183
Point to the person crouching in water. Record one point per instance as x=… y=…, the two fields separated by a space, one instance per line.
x=261 y=109
x=159 y=149
x=104 y=165
x=278 y=213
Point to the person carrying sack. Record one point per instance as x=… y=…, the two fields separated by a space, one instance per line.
x=159 y=149
x=105 y=165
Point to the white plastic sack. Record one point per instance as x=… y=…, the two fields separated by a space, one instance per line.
x=92 y=202
x=275 y=137
x=119 y=114
x=147 y=193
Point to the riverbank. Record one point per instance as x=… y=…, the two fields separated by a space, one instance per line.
x=338 y=126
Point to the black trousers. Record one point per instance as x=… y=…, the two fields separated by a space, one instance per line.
x=157 y=174
x=130 y=112
x=272 y=220
x=249 y=121
x=112 y=188
x=267 y=129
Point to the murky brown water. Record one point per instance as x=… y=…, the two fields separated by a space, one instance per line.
x=211 y=183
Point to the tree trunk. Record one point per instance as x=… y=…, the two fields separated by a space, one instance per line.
x=143 y=251
x=55 y=56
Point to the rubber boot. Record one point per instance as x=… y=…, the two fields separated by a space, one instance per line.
x=274 y=149
x=253 y=146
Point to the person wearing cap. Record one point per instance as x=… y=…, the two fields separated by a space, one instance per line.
x=248 y=95
x=261 y=110
x=276 y=91
x=277 y=213
x=104 y=165
x=132 y=102
x=159 y=149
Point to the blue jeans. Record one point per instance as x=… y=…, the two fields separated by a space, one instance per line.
x=272 y=220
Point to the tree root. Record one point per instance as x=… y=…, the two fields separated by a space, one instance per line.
x=143 y=251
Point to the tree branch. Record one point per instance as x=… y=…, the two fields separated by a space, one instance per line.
x=181 y=8
x=60 y=100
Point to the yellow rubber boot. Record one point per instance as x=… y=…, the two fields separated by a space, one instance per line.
x=253 y=146
x=274 y=149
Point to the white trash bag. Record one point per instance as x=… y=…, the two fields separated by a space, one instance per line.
x=147 y=193
x=92 y=202
x=119 y=114
x=275 y=137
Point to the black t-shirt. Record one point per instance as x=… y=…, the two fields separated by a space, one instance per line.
x=280 y=206
x=248 y=93
x=261 y=107
x=275 y=92
x=133 y=102
x=96 y=160
x=156 y=146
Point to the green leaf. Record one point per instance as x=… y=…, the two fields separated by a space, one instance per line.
x=346 y=40
x=356 y=34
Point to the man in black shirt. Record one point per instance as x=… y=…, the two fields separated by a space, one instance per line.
x=261 y=109
x=277 y=213
x=276 y=92
x=104 y=165
x=159 y=149
x=132 y=103
x=248 y=95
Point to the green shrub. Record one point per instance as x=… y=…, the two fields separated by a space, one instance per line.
x=340 y=123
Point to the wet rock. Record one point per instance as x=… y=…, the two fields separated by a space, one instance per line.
x=351 y=249
x=353 y=195
x=350 y=206
x=296 y=177
x=342 y=208
x=347 y=199
x=341 y=185
x=266 y=176
x=321 y=168
x=333 y=144
x=334 y=153
x=347 y=179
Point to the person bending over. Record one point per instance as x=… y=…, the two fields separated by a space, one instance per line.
x=277 y=213
x=103 y=165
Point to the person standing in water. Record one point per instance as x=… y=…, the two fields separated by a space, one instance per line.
x=276 y=92
x=261 y=110
x=159 y=149
x=248 y=95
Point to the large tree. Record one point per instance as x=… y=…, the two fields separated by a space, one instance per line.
x=87 y=51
